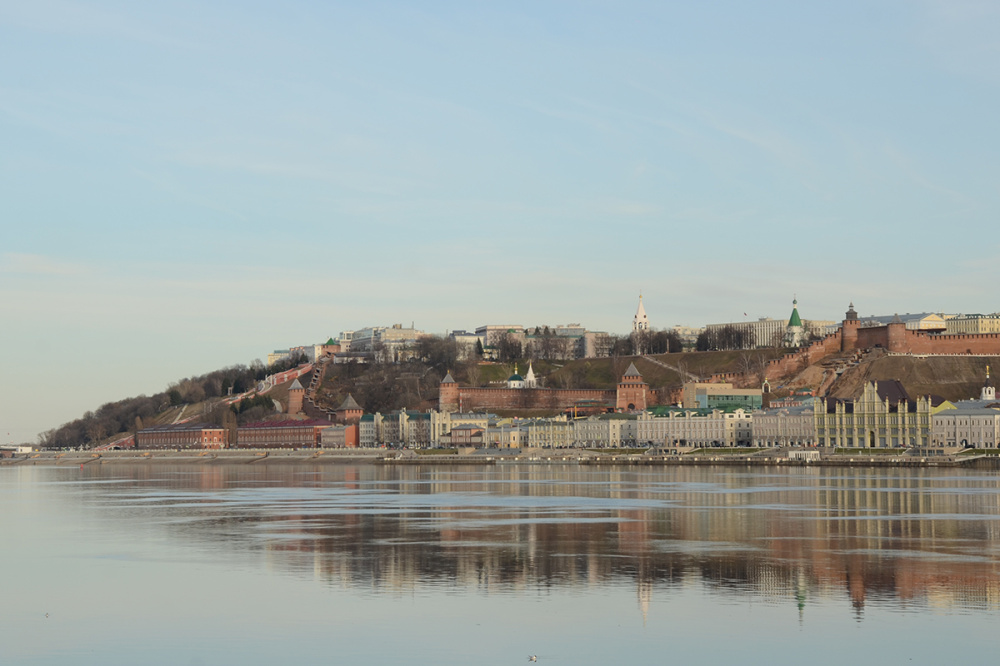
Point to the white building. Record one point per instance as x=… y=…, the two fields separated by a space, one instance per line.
x=787 y=426
x=970 y=424
x=605 y=431
x=674 y=427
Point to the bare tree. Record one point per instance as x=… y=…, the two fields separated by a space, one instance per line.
x=473 y=374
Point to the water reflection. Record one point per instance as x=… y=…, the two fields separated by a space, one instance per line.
x=929 y=538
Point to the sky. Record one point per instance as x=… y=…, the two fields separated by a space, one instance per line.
x=189 y=185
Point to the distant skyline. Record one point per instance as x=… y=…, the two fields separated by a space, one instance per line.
x=185 y=186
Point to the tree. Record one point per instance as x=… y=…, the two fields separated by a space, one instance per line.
x=437 y=352
x=508 y=348
x=473 y=375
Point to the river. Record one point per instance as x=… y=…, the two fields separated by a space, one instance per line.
x=451 y=564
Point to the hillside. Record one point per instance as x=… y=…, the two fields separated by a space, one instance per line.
x=414 y=385
x=951 y=377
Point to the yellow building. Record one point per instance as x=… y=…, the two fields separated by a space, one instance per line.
x=974 y=323
x=883 y=416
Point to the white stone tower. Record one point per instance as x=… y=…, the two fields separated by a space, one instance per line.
x=640 y=322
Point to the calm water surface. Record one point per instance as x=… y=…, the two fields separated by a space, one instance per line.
x=242 y=564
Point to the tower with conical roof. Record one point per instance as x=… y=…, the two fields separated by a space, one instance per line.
x=529 y=378
x=989 y=392
x=448 y=394
x=640 y=322
x=794 y=331
x=296 y=394
x=350 y=411
x=633 y=392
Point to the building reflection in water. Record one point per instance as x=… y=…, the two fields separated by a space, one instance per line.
x=927 y=536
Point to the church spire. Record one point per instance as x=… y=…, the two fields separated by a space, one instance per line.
x=640 y=322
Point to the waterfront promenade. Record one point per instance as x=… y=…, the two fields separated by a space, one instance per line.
x=764 y=458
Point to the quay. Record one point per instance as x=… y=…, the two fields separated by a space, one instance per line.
x=729 y=457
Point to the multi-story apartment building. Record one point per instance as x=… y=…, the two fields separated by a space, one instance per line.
x=973 y=323
x=467 y=343
x=719 y=395
x=786 y=426
x=441 y=423
x=493 y=333
x=506 y=435
x=921 y=321
x=767 y=332
x=552 y=433
x=673 y=426
x=281 y=434
x=388 y=343
x=182 y=436
x=969 y=424
x=605 y=431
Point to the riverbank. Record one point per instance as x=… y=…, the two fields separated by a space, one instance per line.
x=537 y=456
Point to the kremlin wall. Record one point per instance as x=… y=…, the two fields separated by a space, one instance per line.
x=632 y=393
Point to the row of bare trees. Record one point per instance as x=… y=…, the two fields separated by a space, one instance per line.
x=131 y=414
x=725 y=338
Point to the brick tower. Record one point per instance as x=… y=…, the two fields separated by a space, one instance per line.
x=448 y=394
x=349 y=411
x=296 y=394
x=849 y=330
x=633 y=393
x=896 y=334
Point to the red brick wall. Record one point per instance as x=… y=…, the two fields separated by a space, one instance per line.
x=483 y=399
x=896 y=338
x=920 y=342
x=475 y=399
x=792 y=364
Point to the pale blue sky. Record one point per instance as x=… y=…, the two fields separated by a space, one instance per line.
x=188 y=185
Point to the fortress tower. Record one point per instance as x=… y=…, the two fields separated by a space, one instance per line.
x=296 y=394
x=350 y=411
x=849 y=330
x=448 y=394
x=633 y=392
x=896 y=334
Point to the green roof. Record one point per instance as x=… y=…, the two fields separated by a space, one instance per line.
x=794 y=320
x=330 y=342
